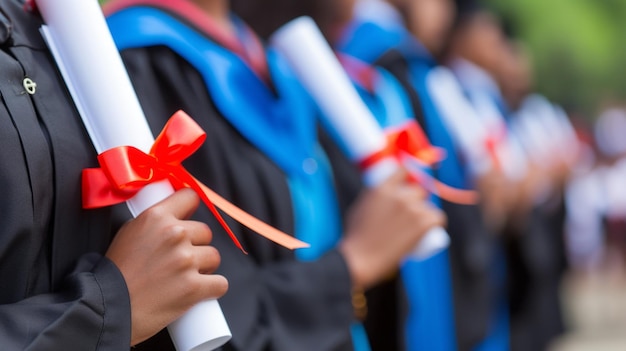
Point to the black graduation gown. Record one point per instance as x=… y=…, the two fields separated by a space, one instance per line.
x=57 y=291
x=387 y=303
x=472 y=248
x=536 y=264
x=274 y=302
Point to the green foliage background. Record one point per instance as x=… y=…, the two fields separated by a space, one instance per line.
x=577 y=47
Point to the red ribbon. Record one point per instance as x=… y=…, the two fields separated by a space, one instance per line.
x=126 y=170
x=30 y=6
x=410 y=141
x=492 y=143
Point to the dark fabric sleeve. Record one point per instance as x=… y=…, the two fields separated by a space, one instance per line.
x=90 y=312
x=293 y=305
x=472 y=257
x=387 y=304
x=274 y=301
x=535 y=267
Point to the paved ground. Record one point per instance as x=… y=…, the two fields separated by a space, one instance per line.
x=595 y=307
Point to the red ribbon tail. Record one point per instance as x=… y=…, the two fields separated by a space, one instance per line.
x=191 y=182
x=492 y=150
x=454 y=195
x=253 y=223
x=436 y=187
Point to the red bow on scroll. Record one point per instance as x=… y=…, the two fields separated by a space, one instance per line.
x=125 y=170
x=409 y=145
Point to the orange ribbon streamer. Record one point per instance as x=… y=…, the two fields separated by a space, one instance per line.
x=126 y=170
x=432 y=185
x=410 y=141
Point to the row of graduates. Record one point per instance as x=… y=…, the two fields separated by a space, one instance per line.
x=65 y=286
x=470 y=89
x=495 y=288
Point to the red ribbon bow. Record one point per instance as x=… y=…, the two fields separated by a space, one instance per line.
x=407 y=139
x=126 y=170
x=410 y=141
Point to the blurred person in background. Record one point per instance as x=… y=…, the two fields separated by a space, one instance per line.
x=481 y=317
x=263 y=154
x=596 y=199
x=609 y=134
x=424 y=300
x=480 y=288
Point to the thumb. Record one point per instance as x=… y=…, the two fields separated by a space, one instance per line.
x=182 y=204
x=399 y=177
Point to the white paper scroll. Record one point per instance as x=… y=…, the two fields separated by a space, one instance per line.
x=313 y=61
x=81 y=43
x=461 y=119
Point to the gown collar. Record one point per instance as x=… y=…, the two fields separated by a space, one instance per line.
x=243 y=42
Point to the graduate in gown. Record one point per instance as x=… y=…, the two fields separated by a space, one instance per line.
x=64 y=286
x=422 y=299
x=475 y=287
x=263 y=154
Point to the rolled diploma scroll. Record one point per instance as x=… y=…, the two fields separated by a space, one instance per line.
x=82 y=45
x=314 y=62
x=460 y=117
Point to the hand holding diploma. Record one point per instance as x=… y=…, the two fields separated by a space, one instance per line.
x=301 y=42
x=383 y=226
x=175 y=257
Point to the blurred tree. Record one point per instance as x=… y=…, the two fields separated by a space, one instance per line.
x=576 y=45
